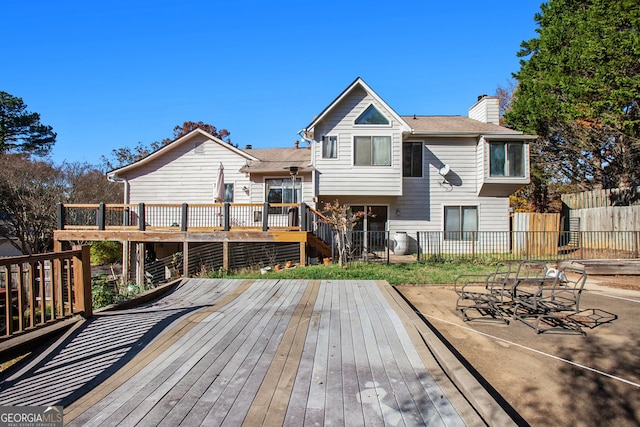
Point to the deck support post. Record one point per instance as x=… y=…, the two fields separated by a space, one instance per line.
x=303 y=254
x=185 y=259
x=225 y=255
x=139 y=264
x=126 y=260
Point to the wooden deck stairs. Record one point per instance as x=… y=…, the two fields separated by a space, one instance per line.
x=322 y=247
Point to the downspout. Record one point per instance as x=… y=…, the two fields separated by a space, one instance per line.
x=304 y=135
x=126 y=250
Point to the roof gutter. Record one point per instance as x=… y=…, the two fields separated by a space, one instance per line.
x=509 y=137
x=278 y=171
x=494 y=136
x=444 y=134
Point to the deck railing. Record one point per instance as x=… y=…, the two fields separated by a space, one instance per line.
x=182 y=217
x=317 y=223
x=37 y=290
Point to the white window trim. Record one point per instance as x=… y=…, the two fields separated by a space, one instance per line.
x=371 y=135
x=369 y=126
x=501 y=178
x=443 y=207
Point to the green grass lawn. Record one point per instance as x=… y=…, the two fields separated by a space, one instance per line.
x=394 y=274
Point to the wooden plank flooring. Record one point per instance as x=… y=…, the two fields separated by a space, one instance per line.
x=232 y=352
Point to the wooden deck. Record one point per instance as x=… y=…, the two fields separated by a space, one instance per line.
x=255 y=352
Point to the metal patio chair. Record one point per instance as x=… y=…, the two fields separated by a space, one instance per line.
x=484 y=294
x=550 y=305
x=524 y=278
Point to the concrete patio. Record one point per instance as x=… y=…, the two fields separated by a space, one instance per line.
x=551 y=379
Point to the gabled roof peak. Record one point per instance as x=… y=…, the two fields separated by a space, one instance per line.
x=175 y=143
x=358 y=82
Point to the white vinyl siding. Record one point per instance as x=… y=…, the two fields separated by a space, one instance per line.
x=339 y=176
x=421 y=207
x=187 y=174
x=486 y=110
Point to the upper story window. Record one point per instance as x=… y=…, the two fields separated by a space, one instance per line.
x=372 y=151
x=412 y=159
x=371 y=116
x=506 y=159
x=329 y=147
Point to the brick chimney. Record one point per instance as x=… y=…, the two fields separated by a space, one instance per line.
x=297 y=144
x=486 y=110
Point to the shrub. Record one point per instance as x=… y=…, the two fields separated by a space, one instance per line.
x=103 y=292
x=106 y=252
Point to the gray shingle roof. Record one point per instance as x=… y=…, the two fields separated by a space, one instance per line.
x=278 y=159
x=452 y=124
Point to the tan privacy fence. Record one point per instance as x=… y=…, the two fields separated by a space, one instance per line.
x=536 y=234
x=613 y=218
x=603 y=198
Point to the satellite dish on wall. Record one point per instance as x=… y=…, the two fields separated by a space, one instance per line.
x=444 y=170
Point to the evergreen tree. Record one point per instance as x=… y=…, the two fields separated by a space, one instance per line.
x=20 y=130
x=579 y=90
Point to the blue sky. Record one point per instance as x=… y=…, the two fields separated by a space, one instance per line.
x=114 y=73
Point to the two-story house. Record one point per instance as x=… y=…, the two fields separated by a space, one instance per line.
x=446 y=174
x=417 y=173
